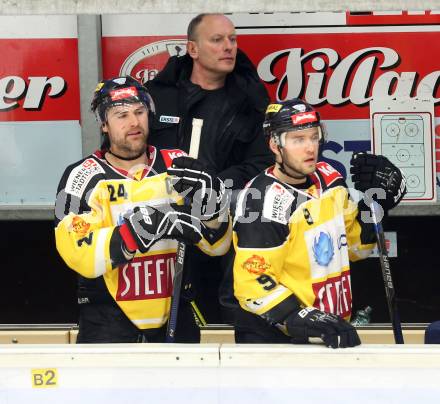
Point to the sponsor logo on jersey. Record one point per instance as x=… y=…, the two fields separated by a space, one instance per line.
x=123 y=93
x=81 y=175
x=80 y=226
x=334 y=295
x=327 y=248
x=305 y=117
x=273 y=108
x=323 y=250
x=329 y=173
x=170 y=154
x=146 y=278
x=169 y=119
x=277 y=202
x=256 y=265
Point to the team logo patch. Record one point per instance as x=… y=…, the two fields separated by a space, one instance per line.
x=169 y=119
x=323 y=249
x=169 y=155
x=81 y=176
x=305 y=117
x=123 y=93
x=273 y=108
x=256 y=265
x=80 y=226
x=277 y=202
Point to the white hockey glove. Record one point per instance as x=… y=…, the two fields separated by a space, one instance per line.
x=147 y=225
x=192 y=179
x=370 y=172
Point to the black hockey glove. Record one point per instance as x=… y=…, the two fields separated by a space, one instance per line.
x=148 y=225
x=192 y=179
x=370 y=172
x=332 y=329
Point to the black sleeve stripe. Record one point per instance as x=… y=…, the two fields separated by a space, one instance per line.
x=368 y=235
x=282 y=310
x=116 y=255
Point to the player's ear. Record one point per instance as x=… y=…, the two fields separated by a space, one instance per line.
x=192 y=49
x=104 y=127
x=273 y=146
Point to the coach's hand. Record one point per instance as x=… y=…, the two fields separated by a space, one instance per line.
x=332 y=329
x=370 y=172
x=193 y=179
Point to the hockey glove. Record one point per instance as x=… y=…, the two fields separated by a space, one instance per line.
x=370 y=172
x=332 y=329
x=192 y=179
x=147 y=225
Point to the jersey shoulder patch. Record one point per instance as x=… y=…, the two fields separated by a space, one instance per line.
x=81 y=175
x=169 y=155
x=328 y=173
x=277 y=203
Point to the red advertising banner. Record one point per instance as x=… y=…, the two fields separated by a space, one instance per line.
x=43 y=86
x=139 y=56
x=339 y=70
x=338 y=62
x=342 y=72
x=39 y=106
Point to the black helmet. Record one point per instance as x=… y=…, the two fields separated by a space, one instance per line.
x=119 y=91
x=286 y=116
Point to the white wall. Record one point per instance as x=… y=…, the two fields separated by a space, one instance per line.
x=188 y=6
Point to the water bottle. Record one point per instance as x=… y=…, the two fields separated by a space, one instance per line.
x=362 y=317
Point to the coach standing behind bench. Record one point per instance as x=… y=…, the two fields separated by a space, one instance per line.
x=215 y=82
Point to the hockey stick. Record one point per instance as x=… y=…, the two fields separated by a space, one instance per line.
x=181 y=247
x=386 y=273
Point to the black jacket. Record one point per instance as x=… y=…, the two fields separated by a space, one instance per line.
x=232 y=142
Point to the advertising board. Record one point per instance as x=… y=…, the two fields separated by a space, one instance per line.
x=338 y=62
x=40 y=129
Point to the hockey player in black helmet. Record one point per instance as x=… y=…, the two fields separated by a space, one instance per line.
x=118 y=221
x=291 y=124
x=119 y=91
x=293 y=245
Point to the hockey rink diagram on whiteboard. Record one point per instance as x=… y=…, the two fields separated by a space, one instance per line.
x=403 y=132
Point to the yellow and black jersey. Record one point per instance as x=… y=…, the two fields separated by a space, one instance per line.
x=92 y=199
x=297 y=242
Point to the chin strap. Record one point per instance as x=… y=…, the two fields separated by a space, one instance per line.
x=126 y=158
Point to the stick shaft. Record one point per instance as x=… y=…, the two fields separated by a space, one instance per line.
x=181 y=247
x=387 y=278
